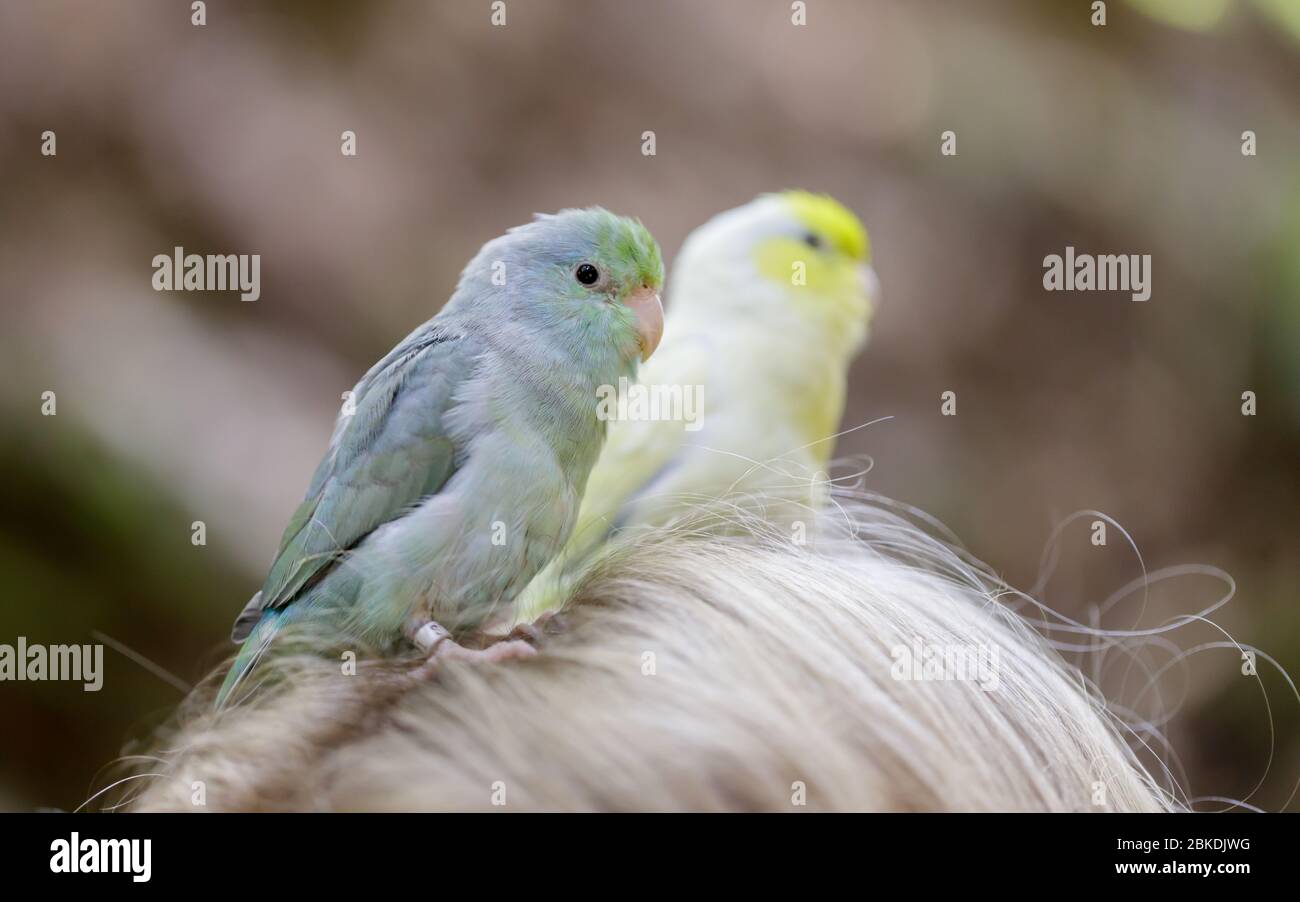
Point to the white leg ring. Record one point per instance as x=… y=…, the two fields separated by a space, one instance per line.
x=428 y=637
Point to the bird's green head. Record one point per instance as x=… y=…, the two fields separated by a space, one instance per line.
x=587 y=280
x=794 y=254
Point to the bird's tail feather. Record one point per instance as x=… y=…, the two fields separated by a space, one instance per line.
x=248 y=618
x=254 y=647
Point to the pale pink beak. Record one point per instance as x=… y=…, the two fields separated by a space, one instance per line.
x=649 y=314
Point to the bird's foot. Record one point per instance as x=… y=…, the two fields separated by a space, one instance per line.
x=535 y=632
x=435 y=641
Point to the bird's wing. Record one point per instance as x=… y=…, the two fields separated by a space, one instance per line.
x=383 y=458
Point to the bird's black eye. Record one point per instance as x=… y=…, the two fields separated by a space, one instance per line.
x=586 y=274
x=813 y=241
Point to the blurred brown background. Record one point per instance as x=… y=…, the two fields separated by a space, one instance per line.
x=175 y=407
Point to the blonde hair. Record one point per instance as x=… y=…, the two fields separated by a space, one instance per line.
x=693 y=671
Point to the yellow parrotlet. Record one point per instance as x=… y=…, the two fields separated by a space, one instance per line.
x=768 y=305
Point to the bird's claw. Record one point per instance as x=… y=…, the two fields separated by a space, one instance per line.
x=536 y=631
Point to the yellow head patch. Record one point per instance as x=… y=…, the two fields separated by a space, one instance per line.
x=826 y=259
x=828 y=218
